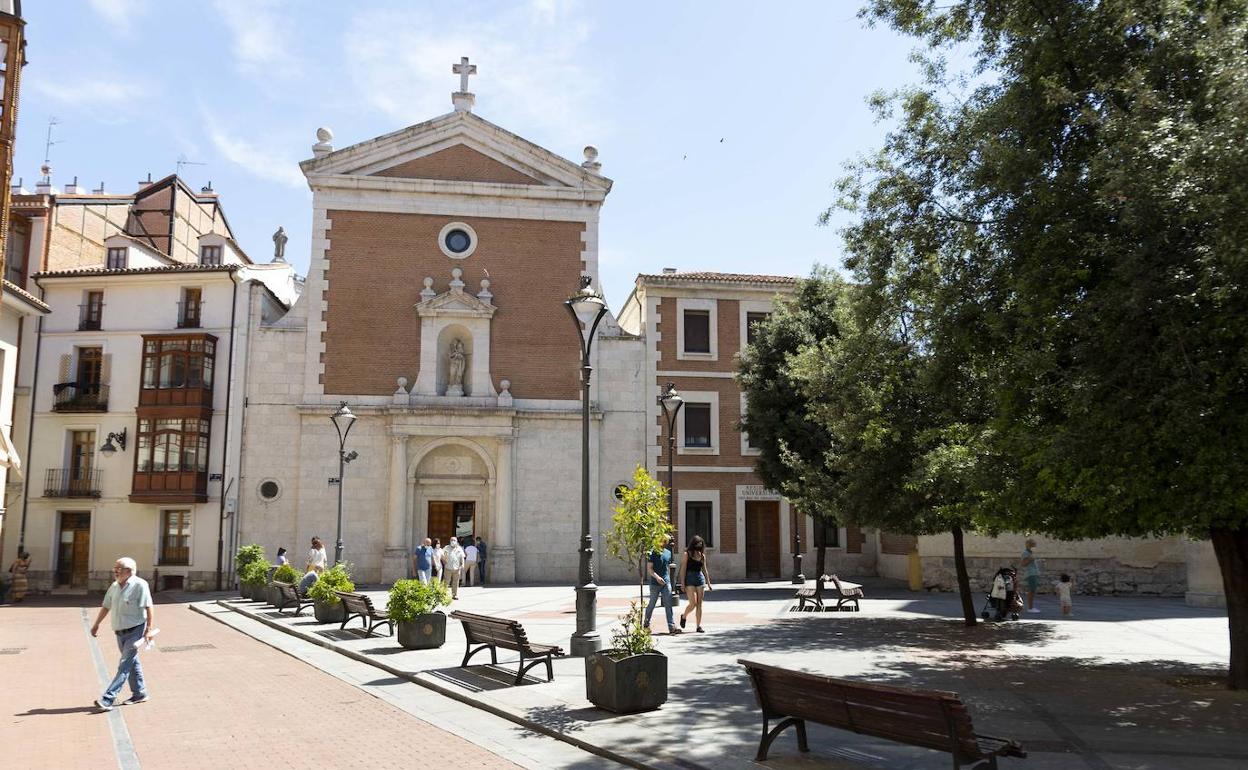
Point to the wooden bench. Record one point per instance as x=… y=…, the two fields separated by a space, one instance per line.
x=932 y=719
x=847 y=594
x=490 y=633
x=360 y=606
x=290 y=595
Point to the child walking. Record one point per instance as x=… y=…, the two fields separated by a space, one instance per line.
x=1063 y=587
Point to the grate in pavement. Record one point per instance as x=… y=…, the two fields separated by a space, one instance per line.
x=186 y=647
x=10 y=650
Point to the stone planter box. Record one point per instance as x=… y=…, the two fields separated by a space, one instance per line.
x=255 y=591
x=423 y=633
x=273 y=595
x=626 y=684
x=329 y=614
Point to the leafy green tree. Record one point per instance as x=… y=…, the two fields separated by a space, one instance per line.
x=1066 y=220
x=640 y=523
x=777 y=416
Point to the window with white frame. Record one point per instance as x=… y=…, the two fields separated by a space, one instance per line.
x=209 y=255
x=697 y=329
x=746 y=447
x=116 y=259
x=697 y=424
x=699 y=515
x=752 y=313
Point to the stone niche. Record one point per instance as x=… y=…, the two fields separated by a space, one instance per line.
x=445 y=319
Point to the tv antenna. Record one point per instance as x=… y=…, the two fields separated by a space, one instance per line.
x=47 y=149
x=183 y=163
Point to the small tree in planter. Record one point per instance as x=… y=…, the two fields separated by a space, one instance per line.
x=283 y=574
x=412 y=609
x=632 y=675
x=246 y=555
x=325 y=605
x=255 y=577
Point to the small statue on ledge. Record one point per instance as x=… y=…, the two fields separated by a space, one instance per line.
x=455 y=373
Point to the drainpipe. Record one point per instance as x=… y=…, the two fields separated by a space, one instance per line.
x=30 y=429
x=225 y=442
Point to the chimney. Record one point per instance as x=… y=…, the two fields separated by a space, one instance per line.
x=73 y=189
x=99 y=190
x=45 y=183
x=207 y=189
x=18 y=189
x=669 y=271
x=145 y=183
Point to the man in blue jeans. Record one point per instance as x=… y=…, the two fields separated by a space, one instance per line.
x=130 y=601
x=657 y=571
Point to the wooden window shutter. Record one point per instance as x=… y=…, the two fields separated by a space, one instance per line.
x=62 y=374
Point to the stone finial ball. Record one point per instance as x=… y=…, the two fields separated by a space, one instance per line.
x=456 y=273
x=323 y=134
x=591 y=153
x=428 y=283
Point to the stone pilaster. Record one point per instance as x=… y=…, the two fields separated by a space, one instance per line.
x=394 y=559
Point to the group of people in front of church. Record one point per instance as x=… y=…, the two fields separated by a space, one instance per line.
x=453 y=564
x=694 y=574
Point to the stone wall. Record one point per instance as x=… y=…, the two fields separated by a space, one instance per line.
x=1091 y=576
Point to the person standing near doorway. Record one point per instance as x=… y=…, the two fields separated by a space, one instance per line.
x=1031 y=574
x=695 y=576
x=422 y=561
x=470 y=561
x=481 y=559
x=18 y=569
x=454 y=566
x=130 y=601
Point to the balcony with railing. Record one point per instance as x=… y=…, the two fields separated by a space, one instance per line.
x=89 y=316
x=71 y=482
x=190 y=314
x=75 y=397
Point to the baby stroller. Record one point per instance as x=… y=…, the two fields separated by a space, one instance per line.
x=1003 y=599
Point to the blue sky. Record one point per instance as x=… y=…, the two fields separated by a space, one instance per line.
x=722 y=124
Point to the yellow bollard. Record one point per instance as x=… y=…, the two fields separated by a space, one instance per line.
x=914 y=571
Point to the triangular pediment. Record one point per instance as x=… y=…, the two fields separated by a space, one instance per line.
x=455 y=303
x=457 y=147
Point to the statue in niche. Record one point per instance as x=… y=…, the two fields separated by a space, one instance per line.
x=455 y=372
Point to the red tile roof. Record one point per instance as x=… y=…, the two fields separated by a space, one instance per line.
x=103 y=271
x=31 y=299
x=700 y=275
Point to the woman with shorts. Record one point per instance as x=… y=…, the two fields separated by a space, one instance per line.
x=695 y=576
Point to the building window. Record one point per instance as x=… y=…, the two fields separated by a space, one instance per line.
x=697 y=331
x=270 y=489
x=175 y=538
x=698 y=520
x=189 y=309
x=209 y=255
x=178 y=363
x=168 y=445
x=91 y=312
x=457 y=240
x=698 y=425
x=117 y=258
x=752 y=320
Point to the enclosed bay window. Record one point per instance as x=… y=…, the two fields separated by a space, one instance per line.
x=178 y=362
x=172 y=445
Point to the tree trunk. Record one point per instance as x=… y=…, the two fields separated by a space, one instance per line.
x=964 y=580
x=1231 y=547
x=641 y=580
x=821 y=562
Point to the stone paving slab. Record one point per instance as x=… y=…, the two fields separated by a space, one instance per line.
x=1125 y=683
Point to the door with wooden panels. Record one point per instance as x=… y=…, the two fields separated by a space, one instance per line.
x=762 y=539
x=441 y=521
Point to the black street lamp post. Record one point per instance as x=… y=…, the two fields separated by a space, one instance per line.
x=798 y=577
x=586 y=307
x=671 y=402
x=343 y=422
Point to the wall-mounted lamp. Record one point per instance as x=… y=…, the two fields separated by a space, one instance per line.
x=108 y=449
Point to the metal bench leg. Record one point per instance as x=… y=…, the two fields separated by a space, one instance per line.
x=765 y=744
x=470 y=652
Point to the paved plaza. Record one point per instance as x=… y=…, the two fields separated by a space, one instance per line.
x=1127 y=682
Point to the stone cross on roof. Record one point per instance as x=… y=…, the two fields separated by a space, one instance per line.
x=464 y=69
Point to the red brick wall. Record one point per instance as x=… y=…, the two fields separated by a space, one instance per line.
x=726 y=484
x=377 y=263
x=458 y=163
x=728 y=322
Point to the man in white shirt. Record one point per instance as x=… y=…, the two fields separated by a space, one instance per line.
x=470 y=562
x=130 y=601
x=453 y=557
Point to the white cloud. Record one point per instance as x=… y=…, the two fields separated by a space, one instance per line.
x=529 y=59
x=118 y=14
x=263 y=38
x=91 y=92
x=260 y=162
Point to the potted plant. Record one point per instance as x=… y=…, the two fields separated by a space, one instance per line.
x=412 y=608
x=255 y=577
x=283 y=574
x=245 y=556
x=631 y=676
x=325 y=604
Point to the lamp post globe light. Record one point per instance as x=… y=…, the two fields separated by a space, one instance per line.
x=343 y=421
x=671 y=402
x=586 y=307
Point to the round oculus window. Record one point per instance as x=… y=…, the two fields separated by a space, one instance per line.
x=620 y=490
x=270 y=490
x=457 y=241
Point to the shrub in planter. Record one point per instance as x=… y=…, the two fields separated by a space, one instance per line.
x=632 y=675
x=326 y=606
x=255 y=576
x=246 y=555
x=412 y=608
x=283 y=574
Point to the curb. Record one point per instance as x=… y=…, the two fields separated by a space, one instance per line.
x=453 y=694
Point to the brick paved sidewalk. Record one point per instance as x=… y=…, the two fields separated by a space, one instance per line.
x=233 y=703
